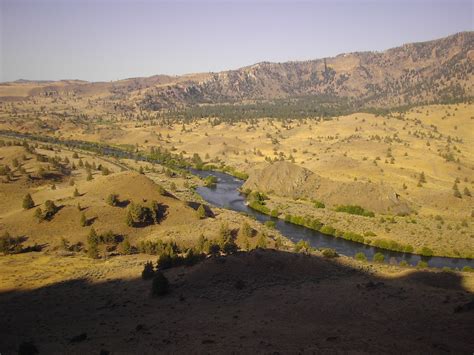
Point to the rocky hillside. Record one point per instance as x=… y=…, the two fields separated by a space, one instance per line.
x=434 y=71
x=290 y=180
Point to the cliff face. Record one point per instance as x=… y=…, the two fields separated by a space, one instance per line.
x=412 y=73
x=289 y=180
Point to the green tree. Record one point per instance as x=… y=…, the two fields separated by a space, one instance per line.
x=113 y=200
x=83 y=221
x=50 y=209
x=28 y=202
x=379 y=258
x=129 y=219
x=467 y=192
x=39 y=214
x=262 y=240
x=125 y=248
x=201 y=212
x=360 y=256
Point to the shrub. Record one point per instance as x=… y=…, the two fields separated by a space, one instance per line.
x=76 y=193
x=403 y=263
x=262 y=241
x=210 y=181
x=353 y=236
x=354 y=209
x=392 y=245
x=245 y=230
x=422 y=264
x=360 y=257
x=378 y=258
x=270 y=224
x=302 y=246
x=425 y=251
x=50 y=210
x=467 y=269
x=329 y=253
x=160 y=284
x=28 y=202
x=113 y=200
x=328 y=230
x=138 y=214
x=319 y=204
x=125 y=248
x=148 y=271
x=10 y=245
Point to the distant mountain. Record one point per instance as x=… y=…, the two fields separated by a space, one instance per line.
x=436 y=71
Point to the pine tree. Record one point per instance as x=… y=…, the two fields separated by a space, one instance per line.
x=201 y=212
x=83 y=220
x=28 y=202
x=422 y=178
x=160 y=285
x=262 y=241
x=39 y=214
x=467 y=192
x=76 y=193
x=129 y=219
x=148 y=271
x=125 y=247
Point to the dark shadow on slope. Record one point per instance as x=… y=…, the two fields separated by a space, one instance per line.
x=261 y=301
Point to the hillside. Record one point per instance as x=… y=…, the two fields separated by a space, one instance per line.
x=289 y=180
x=434 y=71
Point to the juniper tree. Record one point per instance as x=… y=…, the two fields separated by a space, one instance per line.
x=28 y=202
x=201 y=212
x=83 y=220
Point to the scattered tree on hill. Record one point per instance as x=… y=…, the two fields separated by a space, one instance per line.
x=38 y=214
x=225 y=240
x=50 y=210
x=262 y=241
x=422 y=179
x=83 y=220
x=148 y=271
x=75 y=193
x=129 y=219
x=93 y=244
x=467 y=192
x=160 y=284
x=113 y=200
x=89 y=175
x=9 y=244
x=245 y=230
x=125 y=248
x=201 y=212
x=28 y=202
x=161 y=190
x=456 y=192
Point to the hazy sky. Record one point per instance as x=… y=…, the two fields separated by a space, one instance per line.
x=109 y=40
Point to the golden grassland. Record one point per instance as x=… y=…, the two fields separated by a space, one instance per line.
x=393 y=150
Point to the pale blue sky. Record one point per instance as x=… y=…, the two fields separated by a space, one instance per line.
x=109 y=40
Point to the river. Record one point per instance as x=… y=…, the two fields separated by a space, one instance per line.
x=226 y=195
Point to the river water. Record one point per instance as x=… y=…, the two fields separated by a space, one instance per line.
x=226 y=195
